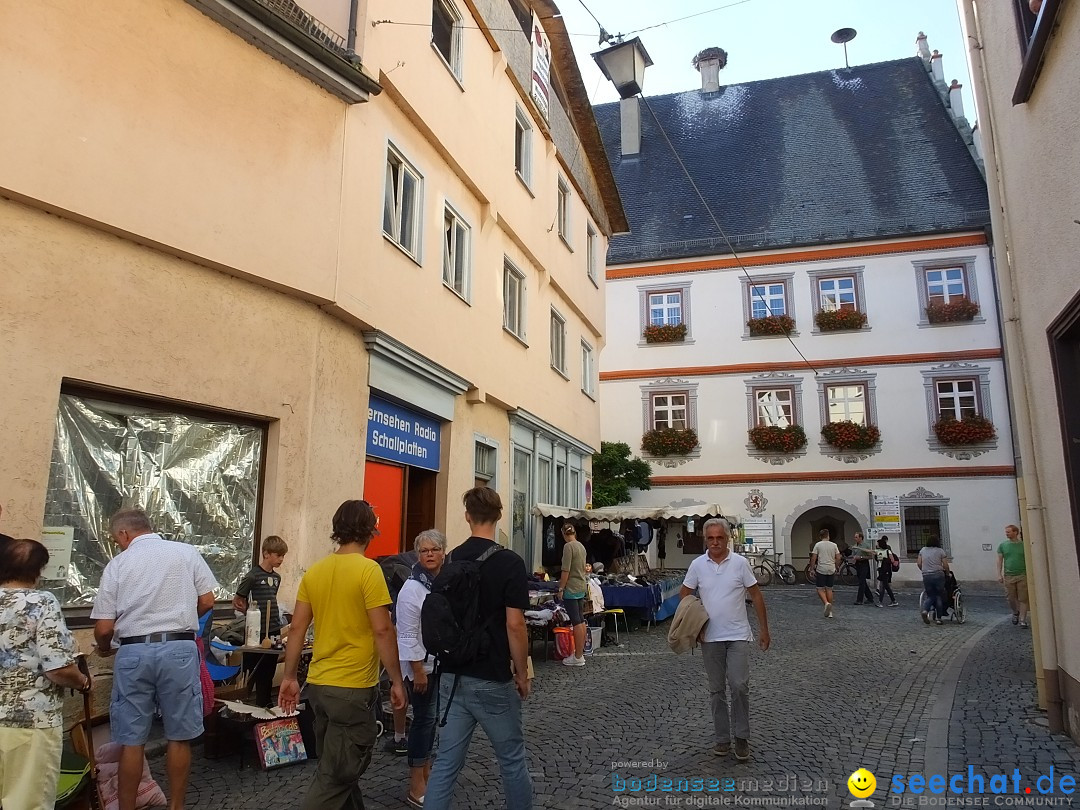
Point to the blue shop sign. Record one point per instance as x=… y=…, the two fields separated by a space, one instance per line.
x=398 y=434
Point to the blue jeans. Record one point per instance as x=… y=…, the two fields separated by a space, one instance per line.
x=934 y=585
x=497 y=708
x=422 y=730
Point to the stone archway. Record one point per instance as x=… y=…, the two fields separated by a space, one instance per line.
x=805 y=520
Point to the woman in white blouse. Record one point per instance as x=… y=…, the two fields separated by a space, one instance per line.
x=416 y=668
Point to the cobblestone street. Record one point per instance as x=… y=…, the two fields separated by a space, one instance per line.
x=873 y=688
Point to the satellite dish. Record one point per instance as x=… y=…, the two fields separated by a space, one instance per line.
x=844 y=36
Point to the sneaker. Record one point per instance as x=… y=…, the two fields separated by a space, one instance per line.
x=894 y=604
x=938 y=621
x=925 y=617
x=573 y=661
x=721 y=749
x=398 y=748
x=859 y=603
x=1024 y=623
x=881 y=604
x=1016 y=618
x=742 y=749
x=828 y=610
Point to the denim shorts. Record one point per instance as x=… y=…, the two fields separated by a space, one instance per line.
x=164 y=677
x=575 y=610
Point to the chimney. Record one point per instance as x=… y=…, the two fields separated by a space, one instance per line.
x=956 y=100
x=630 y=125
x=936 y=68
x=709 y=63
x=922 y=48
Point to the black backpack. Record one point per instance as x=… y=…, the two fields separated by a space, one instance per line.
x=450 y=622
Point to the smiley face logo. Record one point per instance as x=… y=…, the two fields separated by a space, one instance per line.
x=861 y=783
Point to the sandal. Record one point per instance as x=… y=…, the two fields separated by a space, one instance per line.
x=412 y=801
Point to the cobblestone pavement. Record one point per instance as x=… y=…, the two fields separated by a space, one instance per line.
x=873 y=688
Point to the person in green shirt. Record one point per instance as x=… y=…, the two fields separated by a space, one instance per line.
x=1012 y=572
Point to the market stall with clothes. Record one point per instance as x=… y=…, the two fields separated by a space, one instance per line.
x=627 y=548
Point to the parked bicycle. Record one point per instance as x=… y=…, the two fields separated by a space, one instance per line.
x=845 y=574
x=769 y=566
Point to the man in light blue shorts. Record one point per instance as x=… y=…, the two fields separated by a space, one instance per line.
x=147 y=611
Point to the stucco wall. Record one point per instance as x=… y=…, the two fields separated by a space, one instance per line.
x=91 y=307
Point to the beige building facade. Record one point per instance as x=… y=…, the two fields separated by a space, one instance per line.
x=1024 y=63
x=258 y=258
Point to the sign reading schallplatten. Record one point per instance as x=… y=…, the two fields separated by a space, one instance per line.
x=398 y=434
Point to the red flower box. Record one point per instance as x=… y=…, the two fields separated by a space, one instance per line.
x=960 y=309
x=771 y=325
x=834 y=320
x=665 y=333
x=775 y=439
x=969 y=430
x=847 y=435
x=669 y=442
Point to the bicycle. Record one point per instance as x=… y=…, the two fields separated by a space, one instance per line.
x=770 y=566
x=846 y=574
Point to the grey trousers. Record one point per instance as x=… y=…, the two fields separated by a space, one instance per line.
x=727 y=664
x=345 y=735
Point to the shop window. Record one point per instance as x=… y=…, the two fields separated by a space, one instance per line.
x=523 y=134
x=575 y=489
x=543 y=480
x=520 y=534
x=560 y=484
x=401 y=203
x=456 y=236
x=197 y=475
x=446 y=34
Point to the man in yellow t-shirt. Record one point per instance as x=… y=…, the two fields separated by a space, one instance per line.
x=345 y=595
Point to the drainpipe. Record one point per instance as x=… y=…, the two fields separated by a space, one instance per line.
x=1029 y=492
x=350 y=44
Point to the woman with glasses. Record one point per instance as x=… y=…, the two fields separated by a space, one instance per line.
x=421 y=683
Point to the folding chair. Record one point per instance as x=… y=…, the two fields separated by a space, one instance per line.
x=78 y=786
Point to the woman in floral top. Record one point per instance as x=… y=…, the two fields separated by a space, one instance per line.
x=37 y=659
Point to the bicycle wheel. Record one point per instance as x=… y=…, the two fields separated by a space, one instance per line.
x=848 y=576
x=958 y=608
x=763 y=574
x=810 y=574
x=787 y=573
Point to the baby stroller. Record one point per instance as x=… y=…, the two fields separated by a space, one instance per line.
x=954 y=601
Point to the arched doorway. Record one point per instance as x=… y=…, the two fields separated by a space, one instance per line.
x=806 y=520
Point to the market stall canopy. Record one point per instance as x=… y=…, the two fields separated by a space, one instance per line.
x=618 y=513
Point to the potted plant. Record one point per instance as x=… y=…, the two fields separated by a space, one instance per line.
x=847 y=435
x=665 y=333
x=771 y=325
x=973 y=429
x=959 y=309
x=669 y=442
x=776 y=439
x=834 y=320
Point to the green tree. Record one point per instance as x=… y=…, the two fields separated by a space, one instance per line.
x=615 y=473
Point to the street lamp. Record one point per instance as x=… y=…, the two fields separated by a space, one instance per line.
x=624 y=65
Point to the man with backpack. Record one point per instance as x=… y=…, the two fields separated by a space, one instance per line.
x=474 y=650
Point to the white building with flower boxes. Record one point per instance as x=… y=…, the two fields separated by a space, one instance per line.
x=833 y=359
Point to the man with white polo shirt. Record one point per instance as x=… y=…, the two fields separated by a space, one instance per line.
x=723 y=580
x=147 y=611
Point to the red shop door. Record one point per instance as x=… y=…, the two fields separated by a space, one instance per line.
x=384 y=489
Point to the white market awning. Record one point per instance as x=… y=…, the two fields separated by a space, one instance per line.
x=619 y=513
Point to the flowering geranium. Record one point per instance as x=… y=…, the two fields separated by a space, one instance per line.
x=969 y=430
x=846 y=435
x=776 y=439
x=669 y=442
x=959 y=309
x=832 y=320
x=665 y=333
x=771 y=325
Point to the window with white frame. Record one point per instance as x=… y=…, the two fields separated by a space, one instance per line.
x=523 y=146
x=665 y=308
x=588 y=369
x=574 y=499
x=543 y=480
x=957 y=398
x=455 y=252
x=945 y=284
x=767 y=299
x=669 y=411
x=558 y=342
x=592 y=253
x=485 y=463
x=774 y=407
x=564 y=211
x=846 y=403
x=837 y=293
x=560 y=484
x=446 y=33
x=401 y=203
x=513 y=300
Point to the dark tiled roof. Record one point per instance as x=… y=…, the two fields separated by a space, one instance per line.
x=859 y=153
